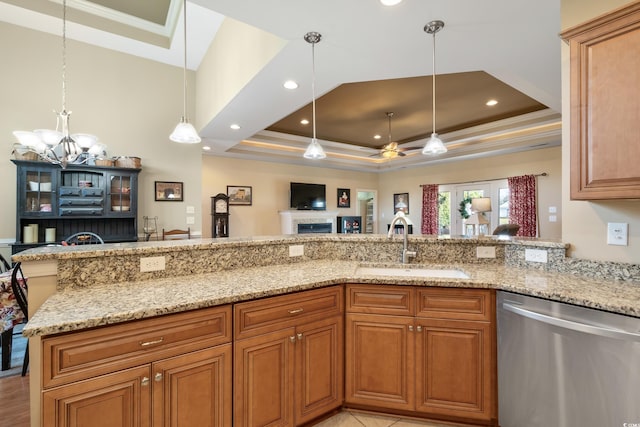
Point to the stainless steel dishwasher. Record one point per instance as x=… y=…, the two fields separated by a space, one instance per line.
x=566 y=366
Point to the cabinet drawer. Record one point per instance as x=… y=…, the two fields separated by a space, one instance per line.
x=269 y=314
x=453 y=303
x=80 y=211
x=78 y=355
x=80 y=201
x=380 y=299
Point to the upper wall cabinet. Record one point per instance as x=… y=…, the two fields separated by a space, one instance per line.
x=53 y=203
x=605 y=106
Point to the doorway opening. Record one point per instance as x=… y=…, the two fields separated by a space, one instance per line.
x=367 y=209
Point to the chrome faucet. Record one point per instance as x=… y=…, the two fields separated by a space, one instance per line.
x=406 y=253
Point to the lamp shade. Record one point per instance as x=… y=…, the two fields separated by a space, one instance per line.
x=185 y=133
x=481 y=204
x=314 y=151
x=434 y=146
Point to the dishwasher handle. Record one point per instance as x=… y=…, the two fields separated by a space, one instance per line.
x=570 y=324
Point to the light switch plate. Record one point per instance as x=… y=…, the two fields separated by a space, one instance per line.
x=296 y=250
x=535 y=255
x=152 y=263
x=617 y=233
x=191 y=209
x=486 y=252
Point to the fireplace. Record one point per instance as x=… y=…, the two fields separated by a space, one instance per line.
x=301 y=221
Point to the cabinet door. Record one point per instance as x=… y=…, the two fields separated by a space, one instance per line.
x=193 y=389
x=319 y=368
x=454 y=375
x=263 y=380
x=380 y=361
x=121 y=190
x=115 y=400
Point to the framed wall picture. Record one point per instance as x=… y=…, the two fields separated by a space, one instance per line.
x=401 y=203
x=240 y=195
x=344 y=198
x=167 y=191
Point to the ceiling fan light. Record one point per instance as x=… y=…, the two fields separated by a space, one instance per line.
x=314 y=151
x=185 y=133
x=434 y=146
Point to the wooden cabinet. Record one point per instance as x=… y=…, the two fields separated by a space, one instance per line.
x=78 y=198
x=173 y=370
x=288 y=358
x=605 y=106
x=431 y=351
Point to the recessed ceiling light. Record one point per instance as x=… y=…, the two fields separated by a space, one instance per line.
x=491 y=102
x=206 y=147
x=290 y=84
x=235 y=126
x=304 y=122
x=376 y=137
x=390 y=2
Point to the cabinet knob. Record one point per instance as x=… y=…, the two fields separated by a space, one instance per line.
x=158 y=377
x=419 y=328
x=145 y=381
x=292 y=338
x=410 y=328
x=299 y=336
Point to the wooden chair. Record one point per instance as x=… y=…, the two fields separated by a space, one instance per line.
x=4 y=264
x=83 y=238
x=19 y=287
x=176 y=234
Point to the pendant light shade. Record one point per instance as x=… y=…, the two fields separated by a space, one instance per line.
x=184 y=132
x=314 y=150
x=434 y=145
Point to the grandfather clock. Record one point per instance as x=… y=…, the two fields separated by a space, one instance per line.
x=220 y=215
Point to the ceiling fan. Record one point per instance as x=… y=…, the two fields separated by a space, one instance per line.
x=391 y=149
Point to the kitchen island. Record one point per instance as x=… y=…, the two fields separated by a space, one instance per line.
x=80 y=288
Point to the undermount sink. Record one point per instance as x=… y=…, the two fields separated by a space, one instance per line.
x=412 y=272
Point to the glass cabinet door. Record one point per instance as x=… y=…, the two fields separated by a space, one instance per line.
x=120 y=187
x=37 y=193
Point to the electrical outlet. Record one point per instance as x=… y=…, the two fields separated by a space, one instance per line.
x=535 y=255
x=152 y=263
x=617 y=233
x=191 y=220
x=486 y=251
x=296 y=250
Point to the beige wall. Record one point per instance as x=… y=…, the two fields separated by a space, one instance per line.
x=270 y=182
x=270 y=187
x=530 y=162
x=131 y=104
x=585 y=223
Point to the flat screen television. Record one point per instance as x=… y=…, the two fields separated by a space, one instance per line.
x=307 y=196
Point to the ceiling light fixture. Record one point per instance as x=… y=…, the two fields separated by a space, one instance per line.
x=491 y=103
x=314 y=150
x=434 y=145
x=390 y=2
x=290 y=84
x=390 y=150
x=184 y=132
x=234 y=126
x=57 y=146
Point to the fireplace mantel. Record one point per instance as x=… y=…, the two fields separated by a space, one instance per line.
x=290 y=219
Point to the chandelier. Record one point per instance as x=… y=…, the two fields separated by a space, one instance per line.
x=434 y=145
x=58 y=146
x=314 y=150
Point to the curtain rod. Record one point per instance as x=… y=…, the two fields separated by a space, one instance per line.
x=483 y=180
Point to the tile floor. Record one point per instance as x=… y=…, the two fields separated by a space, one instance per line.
x=360 y=419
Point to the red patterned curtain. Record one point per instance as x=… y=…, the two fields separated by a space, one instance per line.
x=429 y=209
x=522 y=204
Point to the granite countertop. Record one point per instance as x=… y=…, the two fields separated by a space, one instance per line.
x=76 y=309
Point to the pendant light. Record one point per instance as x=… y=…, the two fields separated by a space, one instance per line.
x=58 y=146
x=434 y=145
x=314 y=150
x=390 y=150
x=184 y=132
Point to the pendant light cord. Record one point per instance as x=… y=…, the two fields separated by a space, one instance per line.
x=184 y=67
x=433 y=82
x=64 y=55
x=313 y=86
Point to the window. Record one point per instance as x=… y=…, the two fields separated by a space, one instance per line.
x=444 y=212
